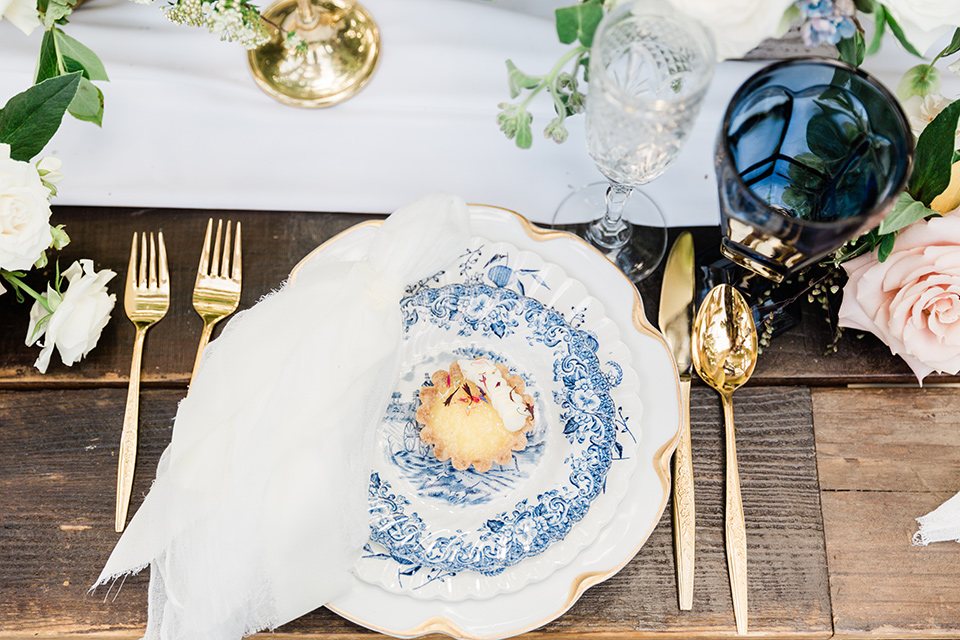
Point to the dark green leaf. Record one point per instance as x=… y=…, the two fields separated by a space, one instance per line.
x=951 y=48
x=880 y=23
x=578 y=22
x=886 y=246
x=87 y=59
x=934 y=157
x=87 y=105
x=518 y=80
x=956 y=157
x=898 y=32
x=852 y=49
x=47 y=66
x=905 y=212
x=29 y=119
x=867 y=6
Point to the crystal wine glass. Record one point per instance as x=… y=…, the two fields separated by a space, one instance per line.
x=650 y=67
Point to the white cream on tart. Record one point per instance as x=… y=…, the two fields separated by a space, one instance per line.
x=508 y=404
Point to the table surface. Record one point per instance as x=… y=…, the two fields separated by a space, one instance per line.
x=838 y=454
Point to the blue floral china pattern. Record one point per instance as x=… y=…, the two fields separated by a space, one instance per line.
x=441 y=533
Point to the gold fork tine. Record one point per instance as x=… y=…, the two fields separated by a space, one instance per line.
x=225 y=263
x=216 y=294
x=145 y=302
x=236 y=275
x=142 y=280
x=205 y=253
x=215 y=258
x=132 y=268
x=164 y=270
x=152 y=283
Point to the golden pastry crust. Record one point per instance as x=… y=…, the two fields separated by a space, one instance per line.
x=462 y=424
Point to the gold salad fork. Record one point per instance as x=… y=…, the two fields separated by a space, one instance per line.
x=217 y=291
x=146 y=300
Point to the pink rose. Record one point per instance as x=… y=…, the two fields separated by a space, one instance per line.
x=912 y=300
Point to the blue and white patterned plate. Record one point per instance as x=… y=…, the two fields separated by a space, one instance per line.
x=641 y=475
x=434 y=528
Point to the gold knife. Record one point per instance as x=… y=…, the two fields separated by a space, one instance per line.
x=676 y=320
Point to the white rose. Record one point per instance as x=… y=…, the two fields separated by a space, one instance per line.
x=24 y=213
x=921 y=111
x=78 y=317
x=737 y=25
x=925 y=21
x=22 y=14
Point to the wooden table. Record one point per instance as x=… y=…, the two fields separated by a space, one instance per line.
x=832 y=476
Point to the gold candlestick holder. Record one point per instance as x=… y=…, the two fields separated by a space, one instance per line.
x=337 y=55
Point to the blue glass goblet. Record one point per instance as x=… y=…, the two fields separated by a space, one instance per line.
x=811 y=153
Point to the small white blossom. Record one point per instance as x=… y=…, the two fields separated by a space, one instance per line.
x=22 y=14
x=78 y=315
x=921 y=111
x=24 y=213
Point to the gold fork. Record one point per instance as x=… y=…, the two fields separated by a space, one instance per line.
x=217 y=291
x=145 y=300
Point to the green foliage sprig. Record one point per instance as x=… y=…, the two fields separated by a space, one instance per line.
x=61 y=55
x=575 y=24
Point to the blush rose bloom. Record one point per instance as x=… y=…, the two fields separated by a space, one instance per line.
x=78 y=317
x=24 y=213
x=911 y=301
x=22 y=14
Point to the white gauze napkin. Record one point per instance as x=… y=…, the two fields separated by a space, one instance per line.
x=943 y=523
x=259 y=509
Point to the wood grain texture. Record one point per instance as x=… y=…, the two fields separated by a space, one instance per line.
x=58 y=469
x=886 y=457
x=273 y=244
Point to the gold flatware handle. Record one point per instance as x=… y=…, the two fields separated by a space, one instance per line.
x=204 y=339
x=684 y=511
x=128 y=437
x=734 y=526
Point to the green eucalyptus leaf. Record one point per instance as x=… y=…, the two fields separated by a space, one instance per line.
x=87 y=59
x=87 y=105
x=905 y=212
x=524 y=135
x=518 y=80
x=47 y=64
x=29 y=119
x=900 y=35
x=853 y=49
x=578 y=22
x=934 y=156
x=880 y=24
x=56 y=12
x=886 y=246
x=951 y=48
x=867 y=6
x=920 y=80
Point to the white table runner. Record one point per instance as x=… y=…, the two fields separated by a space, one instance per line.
x=186 y=126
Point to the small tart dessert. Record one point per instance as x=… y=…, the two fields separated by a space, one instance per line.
x=475 y=413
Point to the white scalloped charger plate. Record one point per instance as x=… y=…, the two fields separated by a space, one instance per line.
x=514 y=612
x=436 y=528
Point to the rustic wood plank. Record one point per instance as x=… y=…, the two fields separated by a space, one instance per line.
x=274 y=243
x=886 y=457
x=58 y=469
x=905 y=440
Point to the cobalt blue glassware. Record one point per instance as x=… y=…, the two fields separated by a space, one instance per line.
x=811 y=153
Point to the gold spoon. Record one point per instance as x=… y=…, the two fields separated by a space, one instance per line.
x=724 y=348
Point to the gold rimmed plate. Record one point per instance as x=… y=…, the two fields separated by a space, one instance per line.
x=646 y=474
